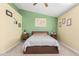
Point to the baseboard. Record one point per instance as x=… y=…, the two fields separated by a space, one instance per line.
x=15 y=44
x=72 y=49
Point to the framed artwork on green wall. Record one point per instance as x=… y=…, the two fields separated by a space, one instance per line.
x=40 y=22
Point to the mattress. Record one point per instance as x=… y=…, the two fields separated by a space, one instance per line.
x=40 y=40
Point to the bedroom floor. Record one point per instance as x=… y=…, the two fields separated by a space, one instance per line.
x=17 y=51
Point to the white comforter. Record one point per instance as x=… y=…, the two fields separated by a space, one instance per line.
x=40 y=40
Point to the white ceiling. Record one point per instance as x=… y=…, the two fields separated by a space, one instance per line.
x=53 y=9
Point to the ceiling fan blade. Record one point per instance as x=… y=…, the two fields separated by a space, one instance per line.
x=34 y=4
x=46 y=5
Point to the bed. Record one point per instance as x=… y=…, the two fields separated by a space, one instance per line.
x=40 y=43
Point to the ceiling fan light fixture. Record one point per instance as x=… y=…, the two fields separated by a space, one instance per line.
x=34 y=4
x=46 y=5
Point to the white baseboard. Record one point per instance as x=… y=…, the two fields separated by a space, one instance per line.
x=72 y=49
x=15 y=44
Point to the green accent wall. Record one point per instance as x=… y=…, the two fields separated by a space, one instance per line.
x=28 y=22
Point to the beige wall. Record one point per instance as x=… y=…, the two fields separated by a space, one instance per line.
x=70 y=34
x=10 y=33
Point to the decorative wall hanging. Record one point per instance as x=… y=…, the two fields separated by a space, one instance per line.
x=69 y=22
x=9 y=13
x=15 y=21
x=19 y=24
x=63 y=20
x=60 y=24
x=40 y=22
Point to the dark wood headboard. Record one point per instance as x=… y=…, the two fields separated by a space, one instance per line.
x=39 y=32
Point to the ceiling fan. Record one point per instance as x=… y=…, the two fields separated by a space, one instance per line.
x=46 y=5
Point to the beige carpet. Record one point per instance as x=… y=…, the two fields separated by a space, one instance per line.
x=17 y=51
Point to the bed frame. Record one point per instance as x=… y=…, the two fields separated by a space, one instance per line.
x=41 y=49
x=33 y=32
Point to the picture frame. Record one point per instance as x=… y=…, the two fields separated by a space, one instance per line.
x=60 y=24
x=69 y=22
x=15 y=21
x=19 y=24
x=63 y=20
x=9 y=13
x=40 y=22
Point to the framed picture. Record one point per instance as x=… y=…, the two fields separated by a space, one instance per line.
x=15 y=21
x=40 y=22
x=60 y=24
x=19 y=24
x=69 y=22
x=63 y=20
x=9 y=13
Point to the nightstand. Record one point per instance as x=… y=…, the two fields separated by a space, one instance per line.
x=54 y=36
x=25 y=36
